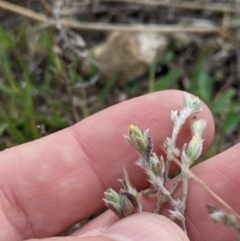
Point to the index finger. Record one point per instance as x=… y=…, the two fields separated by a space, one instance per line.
x=49 y=184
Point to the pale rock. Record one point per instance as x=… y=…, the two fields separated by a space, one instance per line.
x=129 y=55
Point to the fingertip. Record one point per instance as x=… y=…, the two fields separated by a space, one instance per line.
x=144 y=226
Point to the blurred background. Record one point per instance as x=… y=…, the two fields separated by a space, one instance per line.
x=62 y=61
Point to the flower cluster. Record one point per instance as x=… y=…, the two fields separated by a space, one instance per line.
x=120 y=203
x=157 y=168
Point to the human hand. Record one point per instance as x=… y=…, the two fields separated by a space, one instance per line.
x=49 y=184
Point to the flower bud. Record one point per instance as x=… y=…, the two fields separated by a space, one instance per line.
x=198 y=127
x=194 y=148
x=174 y=116
x=193 y=104
x=118 y=203
x=138 y=139
x=157 y=164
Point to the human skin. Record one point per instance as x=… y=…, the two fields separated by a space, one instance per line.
x=49 y=184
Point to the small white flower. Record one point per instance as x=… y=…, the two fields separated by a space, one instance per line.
x=193 y=104
x=198 y=127
x=174 y=116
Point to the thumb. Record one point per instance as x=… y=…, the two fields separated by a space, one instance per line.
x=144 y=226
x=137 y=227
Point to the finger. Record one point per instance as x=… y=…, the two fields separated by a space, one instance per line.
x=221 y=175
x=138 y=227
x=49 y=184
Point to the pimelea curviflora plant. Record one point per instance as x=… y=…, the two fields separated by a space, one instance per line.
x=157 y=167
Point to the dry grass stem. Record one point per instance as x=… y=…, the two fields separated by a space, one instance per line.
x=226 y=8
x=23 y=11
x=206 y=188
x=139 y=27
x=109 y=27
